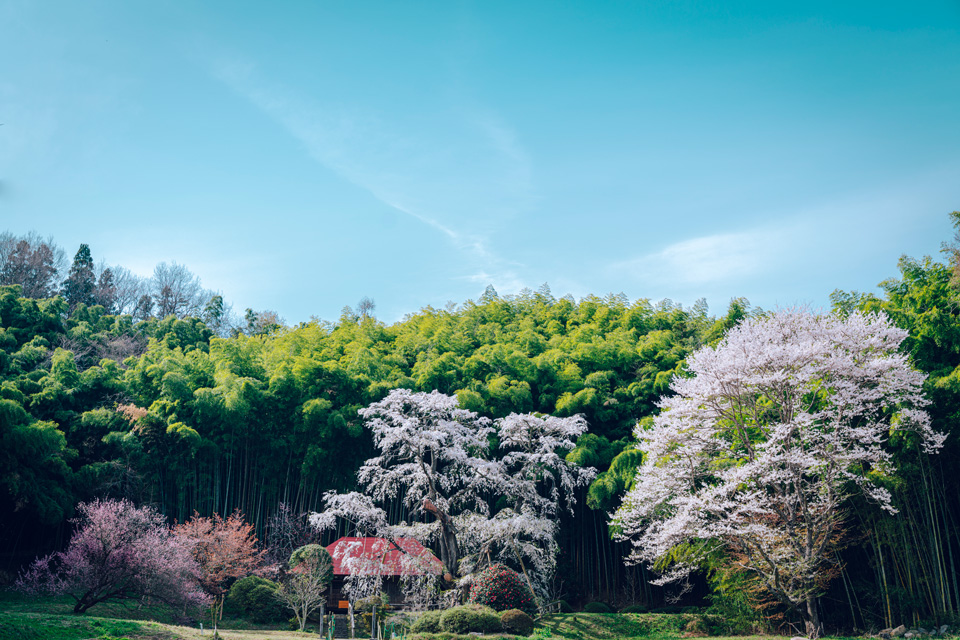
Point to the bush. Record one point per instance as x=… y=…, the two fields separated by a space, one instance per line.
x=634 y=608
x=597 y=607
x=428 y=622
x=671 y=609
x=470 y=618
x=563 y=606
x=316 y=558
x=516 y=622
x=500 y=589
x=255 y=598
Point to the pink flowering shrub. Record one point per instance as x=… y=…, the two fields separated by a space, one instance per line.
x=118 y=552
x=501 y=588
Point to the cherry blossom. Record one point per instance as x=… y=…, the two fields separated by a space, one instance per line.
x=761 y=445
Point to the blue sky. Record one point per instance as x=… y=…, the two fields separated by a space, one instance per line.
x=298 y=156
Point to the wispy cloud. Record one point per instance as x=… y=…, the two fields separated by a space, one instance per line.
x=417 y=175
x=708 y=260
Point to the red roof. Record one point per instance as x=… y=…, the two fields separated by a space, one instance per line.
x=378 y=555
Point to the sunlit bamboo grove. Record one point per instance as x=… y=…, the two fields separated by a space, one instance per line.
x=177 y=413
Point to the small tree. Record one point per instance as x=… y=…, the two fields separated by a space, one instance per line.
x=287 y=532
x=118 y=552
x=225 y=549
x=760 y=447
x=303 y=590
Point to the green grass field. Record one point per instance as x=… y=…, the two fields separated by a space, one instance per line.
x=23 y=618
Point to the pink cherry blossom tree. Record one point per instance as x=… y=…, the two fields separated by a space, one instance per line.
x=118 y=552
x=759 y=448
x=225 y=550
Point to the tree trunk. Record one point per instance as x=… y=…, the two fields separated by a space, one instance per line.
x=814 y=627
x=449 y=549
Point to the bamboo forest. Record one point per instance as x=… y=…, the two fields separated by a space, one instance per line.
x=152 y=392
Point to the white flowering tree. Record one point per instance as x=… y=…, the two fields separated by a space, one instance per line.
x=761 y=445
x=438 y=459
x=509 y=537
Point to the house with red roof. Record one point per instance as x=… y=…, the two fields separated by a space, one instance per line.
x=390 y=559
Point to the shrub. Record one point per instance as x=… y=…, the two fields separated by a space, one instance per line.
x=597 y=607
x=669 y=609
x=500 y=588
x=564 y=607
x=634 y=608
x=470 y=618
x=516 y=622
x=428 y=622
x=314 y=557
x=255 y=598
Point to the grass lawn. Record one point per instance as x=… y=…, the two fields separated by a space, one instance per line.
x=26 y=618
x=613 y=626
x=23 y=618
x=45 y=626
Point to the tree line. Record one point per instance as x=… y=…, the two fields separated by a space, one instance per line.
x=96 y=401
x=41 y=268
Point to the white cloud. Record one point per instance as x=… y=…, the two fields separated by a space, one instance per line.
x=708 y=260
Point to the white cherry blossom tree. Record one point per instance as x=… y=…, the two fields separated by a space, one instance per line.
x=758 y=449
x=439 y=460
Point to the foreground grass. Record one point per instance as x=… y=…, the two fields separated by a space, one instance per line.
x=27 y=618
x=13 y=602
x=611 y=626
x=42 y=626
x=45 y=626
x=24 y=618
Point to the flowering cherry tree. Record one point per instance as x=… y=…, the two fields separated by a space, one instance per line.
x=438 y=459
x=759 y=448
x=225 y=549
x=118 y=552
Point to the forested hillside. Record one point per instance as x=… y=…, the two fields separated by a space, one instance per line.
x=163 y=411
x=174 y=411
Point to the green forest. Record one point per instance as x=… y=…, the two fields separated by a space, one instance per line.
x=156 y=400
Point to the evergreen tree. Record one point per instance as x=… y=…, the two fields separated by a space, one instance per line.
x=106 y=291
x=81 y=283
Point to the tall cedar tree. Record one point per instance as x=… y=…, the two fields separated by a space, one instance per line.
x=81 y=283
